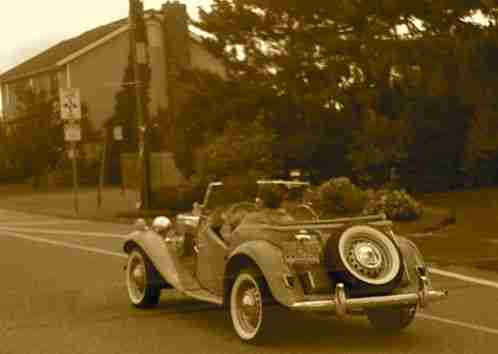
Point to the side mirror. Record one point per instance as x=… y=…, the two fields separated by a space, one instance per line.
x=161 y=224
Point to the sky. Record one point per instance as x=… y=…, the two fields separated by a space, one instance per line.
x=29 y=27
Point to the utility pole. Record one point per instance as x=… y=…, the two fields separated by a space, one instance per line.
x=138 y=48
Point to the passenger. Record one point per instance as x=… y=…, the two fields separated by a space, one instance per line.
x=241 y=190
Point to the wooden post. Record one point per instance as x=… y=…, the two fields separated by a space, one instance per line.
x=102 y=171
x=75 y=177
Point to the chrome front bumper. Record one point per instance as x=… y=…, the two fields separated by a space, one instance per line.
x=343 y=306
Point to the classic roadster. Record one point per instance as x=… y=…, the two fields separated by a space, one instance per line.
x=244 y=256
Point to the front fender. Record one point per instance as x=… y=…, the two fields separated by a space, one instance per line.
x=159 y=254
x=270 y=261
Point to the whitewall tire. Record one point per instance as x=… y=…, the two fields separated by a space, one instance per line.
x=247 y=297
x=141 y=281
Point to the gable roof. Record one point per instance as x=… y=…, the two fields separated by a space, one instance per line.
x=59 y=54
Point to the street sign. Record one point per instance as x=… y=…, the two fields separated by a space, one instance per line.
x=72 y=132
x=70 y=104
x=118 y=133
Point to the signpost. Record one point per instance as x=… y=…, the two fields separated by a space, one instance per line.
x=70 y=108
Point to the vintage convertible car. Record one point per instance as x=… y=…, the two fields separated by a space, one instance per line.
x=233 y=253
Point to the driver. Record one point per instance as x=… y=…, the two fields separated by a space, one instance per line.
x=270 y=199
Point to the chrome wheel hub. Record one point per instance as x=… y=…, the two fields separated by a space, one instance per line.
x=367 y=255
x=139 y=275
x=250 y=308
x=248 y=300
x=136 y=278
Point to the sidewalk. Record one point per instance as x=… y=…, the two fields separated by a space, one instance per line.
x=60 y=202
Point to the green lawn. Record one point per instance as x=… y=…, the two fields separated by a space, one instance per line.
x=473 y=239
x=476 y=211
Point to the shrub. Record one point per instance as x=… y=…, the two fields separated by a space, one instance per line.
x=339 y=196
x=396 y=204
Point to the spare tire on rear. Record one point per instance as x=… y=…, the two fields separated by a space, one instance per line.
x=366 y=260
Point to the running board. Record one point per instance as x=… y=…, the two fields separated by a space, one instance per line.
x=203 y=295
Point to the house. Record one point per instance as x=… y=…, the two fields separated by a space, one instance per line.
x=95 y=63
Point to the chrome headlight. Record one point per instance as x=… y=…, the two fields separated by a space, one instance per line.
x=161 y=224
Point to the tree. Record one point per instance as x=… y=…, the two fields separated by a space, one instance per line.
x=379 y=145
x=249 y=152
x=317 y=68
x=481 y=149
x=36 y=137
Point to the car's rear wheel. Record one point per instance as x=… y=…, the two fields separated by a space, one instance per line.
x=143 y=290
x=247 y=297
x=392 y=318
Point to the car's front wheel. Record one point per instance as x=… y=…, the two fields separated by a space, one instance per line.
x=143 y=290
x=392 y=318
x=247 y=297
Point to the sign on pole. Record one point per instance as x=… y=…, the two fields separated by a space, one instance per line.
x=70 y=104
x=72 y=132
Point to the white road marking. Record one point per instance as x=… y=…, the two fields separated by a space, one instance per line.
x=62 y=232
x=40 y=223
x=123 y=255
x=63 y=244
x=459 y=323
x=464 y=278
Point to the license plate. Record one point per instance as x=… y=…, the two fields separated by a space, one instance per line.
x=307 y=252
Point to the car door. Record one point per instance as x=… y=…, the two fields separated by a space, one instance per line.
x=211 y=251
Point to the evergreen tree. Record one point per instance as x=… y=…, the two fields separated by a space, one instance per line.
x=321 y=67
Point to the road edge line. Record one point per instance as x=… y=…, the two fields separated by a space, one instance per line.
x=465 y=278
x=63 y=244
x=458 y=323
x=61 y=232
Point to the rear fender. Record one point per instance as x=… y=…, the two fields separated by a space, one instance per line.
x=270 y=261
x=414 y=262
x=160 y=255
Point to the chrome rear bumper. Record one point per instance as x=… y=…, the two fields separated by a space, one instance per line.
x=342 y=305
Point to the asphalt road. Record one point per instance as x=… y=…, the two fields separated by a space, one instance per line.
x=63 y=291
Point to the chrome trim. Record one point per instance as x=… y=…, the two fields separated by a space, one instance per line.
x=190 y=220
x=311 y=280
x=288 y=280
x=342 y=306
x=303 y=237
